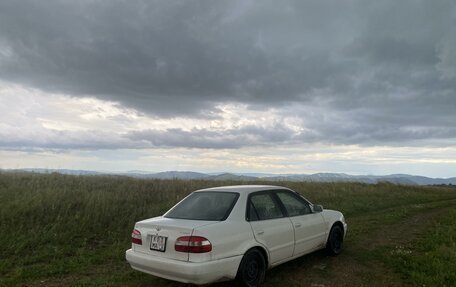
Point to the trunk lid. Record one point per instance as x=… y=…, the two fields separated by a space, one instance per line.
x=160 y=229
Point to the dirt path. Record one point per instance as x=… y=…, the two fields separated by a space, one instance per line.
x=358 y=264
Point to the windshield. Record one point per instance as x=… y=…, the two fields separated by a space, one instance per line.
x=214 y=206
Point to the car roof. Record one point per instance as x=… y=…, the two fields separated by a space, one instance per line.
x=243 y=188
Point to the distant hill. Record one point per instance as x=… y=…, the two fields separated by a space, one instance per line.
x=61 y=171
x=231 y=176
x=317 y=177
x=178 y=174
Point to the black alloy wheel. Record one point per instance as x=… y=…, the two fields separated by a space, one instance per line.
x=335 y=240
x=252 y=269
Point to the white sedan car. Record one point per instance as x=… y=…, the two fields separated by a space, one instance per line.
x=233 y=232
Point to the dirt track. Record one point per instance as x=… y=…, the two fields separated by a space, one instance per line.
x=355 y=266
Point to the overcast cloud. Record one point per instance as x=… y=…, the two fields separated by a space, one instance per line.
x=227 y=74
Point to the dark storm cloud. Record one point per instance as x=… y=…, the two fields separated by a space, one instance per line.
x=389 y=67
x=204 y=138
x=348 y=133
x=172 y=57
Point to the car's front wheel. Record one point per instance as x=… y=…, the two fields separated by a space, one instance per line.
x=252 y=269
x=335 y=240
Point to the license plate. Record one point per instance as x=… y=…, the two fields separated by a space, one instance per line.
x=158 y=243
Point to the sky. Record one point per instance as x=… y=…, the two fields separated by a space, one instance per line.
x=357 y=87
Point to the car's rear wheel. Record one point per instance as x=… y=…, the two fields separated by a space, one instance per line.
x=335 y=240
x=252 y=269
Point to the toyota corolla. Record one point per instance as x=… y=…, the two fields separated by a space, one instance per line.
x=233 y=233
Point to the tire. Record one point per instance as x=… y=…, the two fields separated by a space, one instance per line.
x=252 y=269
x=335 y=240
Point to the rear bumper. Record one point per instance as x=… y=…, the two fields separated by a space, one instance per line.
x=186 y=272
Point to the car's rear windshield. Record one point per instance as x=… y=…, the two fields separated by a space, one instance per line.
x=213 y=206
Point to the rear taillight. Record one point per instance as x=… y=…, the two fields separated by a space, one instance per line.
x=136 y=237
x=193 y=244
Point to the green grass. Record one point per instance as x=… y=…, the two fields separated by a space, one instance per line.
x=61 y=230
x=431 y=259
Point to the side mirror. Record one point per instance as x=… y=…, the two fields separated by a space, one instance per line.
x=317 y=208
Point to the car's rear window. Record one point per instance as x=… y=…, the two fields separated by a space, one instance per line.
x=214 y=206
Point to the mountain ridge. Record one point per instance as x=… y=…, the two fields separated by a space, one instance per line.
x=316 y=177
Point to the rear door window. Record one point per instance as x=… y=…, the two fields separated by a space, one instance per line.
x=264 y=206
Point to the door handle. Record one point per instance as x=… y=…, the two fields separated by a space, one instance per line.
x=297 y=225
x=260 y=232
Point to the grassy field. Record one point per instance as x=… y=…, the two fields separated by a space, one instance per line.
x=59 y=230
